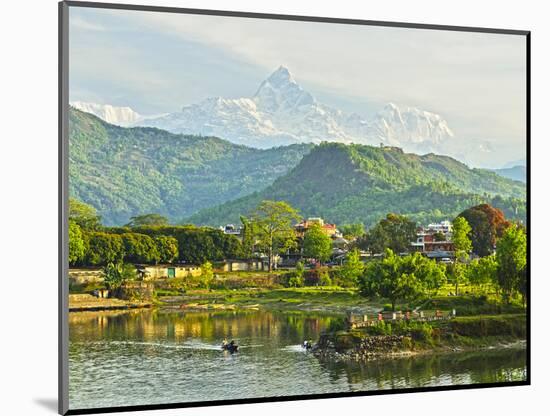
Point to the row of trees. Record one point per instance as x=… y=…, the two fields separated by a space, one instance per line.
x=145 y=239
x=100 y=248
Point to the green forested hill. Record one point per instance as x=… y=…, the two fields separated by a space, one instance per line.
x=356 y=183
x=124 y=172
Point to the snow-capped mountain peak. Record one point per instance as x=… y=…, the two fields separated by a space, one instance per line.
x=280 y=92
x=410 y=125
x=121 y=116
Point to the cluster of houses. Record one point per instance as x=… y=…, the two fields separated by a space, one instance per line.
x=434 y=241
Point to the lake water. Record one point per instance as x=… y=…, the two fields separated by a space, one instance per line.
x=155 y=356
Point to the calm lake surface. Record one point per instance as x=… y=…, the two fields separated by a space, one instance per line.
x=155 y=356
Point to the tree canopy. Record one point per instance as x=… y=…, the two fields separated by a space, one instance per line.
x=487 y=225
x=84 y=215
x=147 y=219
x=274 y=225
x=317 y=244
x=406 y=279
x=511 y=256
x=395 y=232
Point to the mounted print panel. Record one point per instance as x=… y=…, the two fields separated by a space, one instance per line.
x=263 y=207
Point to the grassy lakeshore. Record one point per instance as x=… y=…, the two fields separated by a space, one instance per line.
x=323 y=299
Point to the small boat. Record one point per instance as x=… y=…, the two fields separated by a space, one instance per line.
x=231 y=347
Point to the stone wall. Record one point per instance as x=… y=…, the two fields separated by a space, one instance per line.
x=83 y=276
x=136 y=290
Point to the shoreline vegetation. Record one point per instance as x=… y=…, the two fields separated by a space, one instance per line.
x=398 y=339
x=395 y=288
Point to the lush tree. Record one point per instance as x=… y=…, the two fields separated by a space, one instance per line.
x=430 y=273
x=439 y=236
x=352 y=268
x=207 y=274
x=147 y=219
x=274 y=226
x=118 y=273
x=167 y=248
x=456 y=274
x=352 y=231
x=84 y=215
x=104 y=249
x=300 y=269
x=386 y=278
x=461 y=232
x=195 y=244
x=140 y=248
x=317 y=244
x=511 y=257
x=249 y=233
x=482 y=271
x=76 y=243
x=396 y=278
x=324 y=278
x=394 y=232
x=487 y=225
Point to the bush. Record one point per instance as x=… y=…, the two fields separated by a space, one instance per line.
x=337 y=324
x=313 y=277
x=421 y=332
x=381 y=328
x=296 y=281
x=324 y=279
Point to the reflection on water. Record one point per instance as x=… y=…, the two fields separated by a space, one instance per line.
x=150 y=357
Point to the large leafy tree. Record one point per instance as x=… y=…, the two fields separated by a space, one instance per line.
x=274 y=226
x=317 y=244
x=482 y=271
x=488 y=224
x=352 y=268
x=429 y=273
x=116 y=274
x=401 y=278
x=147 y=219
x=84 y=215
x=105 y=248
x=461 y=232
x=511 y=257
x=76 y=243
x=463 y=246
x=249 y=233
x=167 y=248
x=351 y=231
x=139 y=248
x=394 y=232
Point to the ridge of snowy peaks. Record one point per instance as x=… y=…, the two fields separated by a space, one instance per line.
x=410 y=125
x=121 y=116
x=281 y=112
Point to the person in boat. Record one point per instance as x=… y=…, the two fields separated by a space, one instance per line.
x=224 y=343
x=232 y=346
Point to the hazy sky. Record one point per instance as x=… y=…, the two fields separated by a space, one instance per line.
x=155 y=63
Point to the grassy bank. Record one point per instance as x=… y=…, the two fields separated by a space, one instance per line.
x=326 y=299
